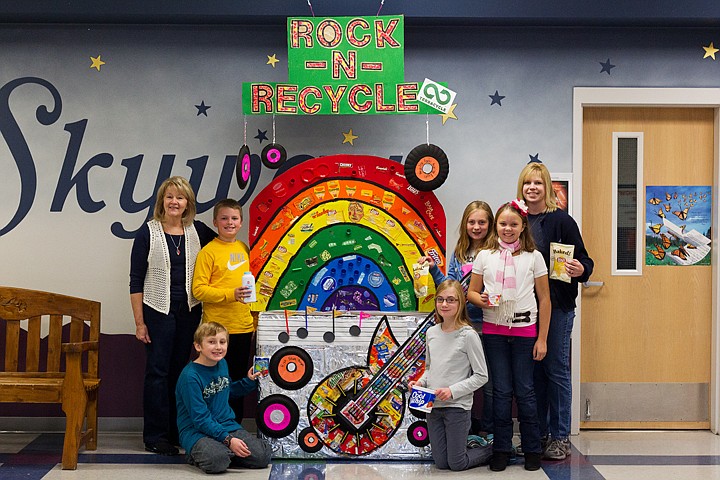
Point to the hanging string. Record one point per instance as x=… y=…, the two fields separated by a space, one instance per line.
x=273 y=128
x=427 y=128
x=311 y=9
x=244 y=130
x=382 y=2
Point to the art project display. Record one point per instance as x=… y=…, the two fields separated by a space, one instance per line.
x=349 y=400
x=342 y=233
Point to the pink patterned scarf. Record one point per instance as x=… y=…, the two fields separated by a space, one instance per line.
x=506 y=278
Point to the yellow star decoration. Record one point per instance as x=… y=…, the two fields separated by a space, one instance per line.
x=96 y=62
x=349 y=137
x=710 y=51
x=272 y=60
x=449 y=114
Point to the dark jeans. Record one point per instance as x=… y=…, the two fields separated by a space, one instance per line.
x=171 y=339
x=238 y=360
x=448 y=428
x=553 y=385
x=511 y=366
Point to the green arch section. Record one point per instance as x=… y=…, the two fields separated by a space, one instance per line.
x=336 y=241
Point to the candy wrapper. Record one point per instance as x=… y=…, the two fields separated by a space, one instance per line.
x=559 y=255
x=262 y=365
x=421 y=278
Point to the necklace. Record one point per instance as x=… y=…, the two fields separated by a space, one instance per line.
x=176 y=245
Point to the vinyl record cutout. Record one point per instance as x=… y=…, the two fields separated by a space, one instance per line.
x=242 y=167
x=417 y=434
x=426 y=167
x=277 y=416
x=291 y=368
x=273 y=155
x=309 y=441
x=418 y=413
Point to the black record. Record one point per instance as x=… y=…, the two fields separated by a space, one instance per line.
x=291 y=368
x=242 y=167
x=273 y=155
x=426 y=167
x=417 y=434
x=277 y=416
x=309 y=441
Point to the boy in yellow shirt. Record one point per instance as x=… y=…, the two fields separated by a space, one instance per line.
x=217 y=283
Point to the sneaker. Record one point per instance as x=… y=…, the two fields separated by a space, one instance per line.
x=532 y=461
x=474 y=441
x=499 y=461
x=162 y=447
x=557 y=449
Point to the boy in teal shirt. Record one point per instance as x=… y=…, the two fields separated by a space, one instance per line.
x=212 y=439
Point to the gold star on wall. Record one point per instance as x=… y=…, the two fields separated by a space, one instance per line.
x=272 y=60
x=449 y=114
x=349 y=137
x=710 y=51
x=96 y=62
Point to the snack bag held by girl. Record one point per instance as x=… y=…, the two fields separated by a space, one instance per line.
x=559 y=255
x=421 y=279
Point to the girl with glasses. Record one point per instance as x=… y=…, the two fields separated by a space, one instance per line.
x=454 y=369
x=477 y=220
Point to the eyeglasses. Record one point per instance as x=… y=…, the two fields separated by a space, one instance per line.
x=448 y=300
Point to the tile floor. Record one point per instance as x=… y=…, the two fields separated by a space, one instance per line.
x=596 y=455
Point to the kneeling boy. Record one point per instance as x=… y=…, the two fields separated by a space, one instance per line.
x=211 y=437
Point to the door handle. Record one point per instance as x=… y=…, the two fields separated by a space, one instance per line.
x=593 y=284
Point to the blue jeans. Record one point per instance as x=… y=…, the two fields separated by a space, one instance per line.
x=511 y=366
x=553 y=385
x=171 y=339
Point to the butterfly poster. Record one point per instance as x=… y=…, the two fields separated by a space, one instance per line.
x=677 y=225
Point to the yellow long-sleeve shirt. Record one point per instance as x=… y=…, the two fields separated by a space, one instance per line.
x=218 y=272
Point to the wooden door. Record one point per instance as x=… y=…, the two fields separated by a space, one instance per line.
x=646 y=336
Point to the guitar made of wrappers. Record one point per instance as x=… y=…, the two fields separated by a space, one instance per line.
x=357 y=409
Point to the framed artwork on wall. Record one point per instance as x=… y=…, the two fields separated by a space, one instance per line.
x=562 y=183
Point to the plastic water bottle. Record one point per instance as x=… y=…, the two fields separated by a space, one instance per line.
x=248 y=280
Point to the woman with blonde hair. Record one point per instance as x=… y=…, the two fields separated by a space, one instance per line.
x=166 y=314
x=553 y=385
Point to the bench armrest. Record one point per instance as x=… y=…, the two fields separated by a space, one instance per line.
x=79 y=347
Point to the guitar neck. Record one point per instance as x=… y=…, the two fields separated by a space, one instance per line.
x=396 y=367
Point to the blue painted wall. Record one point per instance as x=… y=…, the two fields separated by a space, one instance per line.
x=96 y=160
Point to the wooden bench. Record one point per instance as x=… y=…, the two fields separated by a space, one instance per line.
x=67 y=375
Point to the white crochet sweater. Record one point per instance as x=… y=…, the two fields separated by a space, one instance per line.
x=156 y=291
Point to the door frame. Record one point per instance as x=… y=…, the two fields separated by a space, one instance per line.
x=648 y=97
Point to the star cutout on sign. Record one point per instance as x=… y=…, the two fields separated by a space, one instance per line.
x=449 y=114
x=606 y=67
x=202 y=108
x=496 y=98
x=96 y=62
x=535 y=158
x=710 y=51
x=272 y=60
x=349 y=137
x=261 y=135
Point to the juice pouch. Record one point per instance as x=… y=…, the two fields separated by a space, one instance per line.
x=559 y=255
